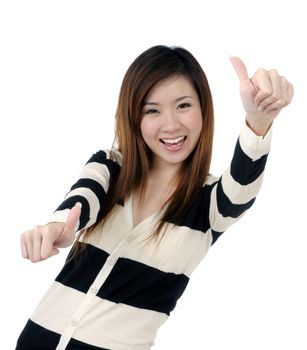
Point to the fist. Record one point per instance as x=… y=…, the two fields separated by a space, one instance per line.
x=42 y=242
x=263 y=95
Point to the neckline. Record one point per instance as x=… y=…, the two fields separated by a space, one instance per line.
x=129 y=204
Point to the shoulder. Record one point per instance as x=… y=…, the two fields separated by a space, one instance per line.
x=210 y=180
x=107 y=157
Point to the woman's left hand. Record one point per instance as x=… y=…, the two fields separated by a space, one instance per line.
x=263 y=96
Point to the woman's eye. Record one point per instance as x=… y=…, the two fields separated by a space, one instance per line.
x=183 y=105
x=151 y=111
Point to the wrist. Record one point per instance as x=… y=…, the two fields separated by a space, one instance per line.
x=259 y=128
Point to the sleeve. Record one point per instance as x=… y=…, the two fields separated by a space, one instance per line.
x=90 y=189
x=236 y=190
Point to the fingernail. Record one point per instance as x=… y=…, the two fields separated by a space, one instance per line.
x=79 y=204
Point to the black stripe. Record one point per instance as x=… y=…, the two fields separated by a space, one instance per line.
x=197 y=216
x=36 y=337
x=243 y=169
x=100 y=193
x=215 y=236
x=100 y=157
x=85 y=212
x=226 y=208
x=79 y=345
x=79 y=273
x=136 y=284
x=93 y=185
x=130 y=282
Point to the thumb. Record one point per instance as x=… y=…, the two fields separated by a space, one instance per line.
x=73 y=218
x=239 y=67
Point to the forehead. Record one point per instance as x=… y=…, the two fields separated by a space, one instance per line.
x=172 y=86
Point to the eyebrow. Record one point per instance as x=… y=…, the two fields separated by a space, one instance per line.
x=155 y=103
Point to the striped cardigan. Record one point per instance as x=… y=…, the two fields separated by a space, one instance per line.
x=119 y=291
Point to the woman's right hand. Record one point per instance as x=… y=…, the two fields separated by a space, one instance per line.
x=42 y=242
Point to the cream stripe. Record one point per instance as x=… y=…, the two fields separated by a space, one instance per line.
x=98 y=172
x=211 y=179
x=180 y=250
x=252 y=145
x=55 y=309
x=122 y=327
x=99 y=321
x=237 y=193
x=114 y=155
x=217 y=221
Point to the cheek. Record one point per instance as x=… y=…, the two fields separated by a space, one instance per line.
x=196 y=122
x=148 y=128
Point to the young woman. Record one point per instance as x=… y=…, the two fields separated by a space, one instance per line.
x=148 y=210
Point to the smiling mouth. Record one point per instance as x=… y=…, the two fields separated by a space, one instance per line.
x=178 y=141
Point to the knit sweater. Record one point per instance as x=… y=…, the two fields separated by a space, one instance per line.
x=119 y=290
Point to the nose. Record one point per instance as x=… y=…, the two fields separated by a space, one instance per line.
x=170 y=121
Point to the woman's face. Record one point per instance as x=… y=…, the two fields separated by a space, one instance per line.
x=172 y=121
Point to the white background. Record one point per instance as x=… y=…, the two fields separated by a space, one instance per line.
x=61 y=66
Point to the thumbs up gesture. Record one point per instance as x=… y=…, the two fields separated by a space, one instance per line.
x=263 y=96
x=42 y=242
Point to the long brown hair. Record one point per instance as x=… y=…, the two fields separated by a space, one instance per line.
x=152 y=66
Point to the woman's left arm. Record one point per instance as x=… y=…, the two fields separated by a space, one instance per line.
x=263 y=97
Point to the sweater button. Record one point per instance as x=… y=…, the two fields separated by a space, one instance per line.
x=73 y=323
x=111 y=261
x=93 y=290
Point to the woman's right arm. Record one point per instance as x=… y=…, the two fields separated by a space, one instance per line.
x=89 y=191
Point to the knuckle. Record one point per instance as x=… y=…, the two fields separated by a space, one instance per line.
x=26 y=235
x=22 y=241
x=261 y=70
x=266 y=92
x=274 y=71
x=283 y=101
x=44 y=256
x=45 y=230
x=36 y=228
x=274 y=96
x=279 y=103
x=24 y=255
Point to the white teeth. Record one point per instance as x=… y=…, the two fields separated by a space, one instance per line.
x=172 y=141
